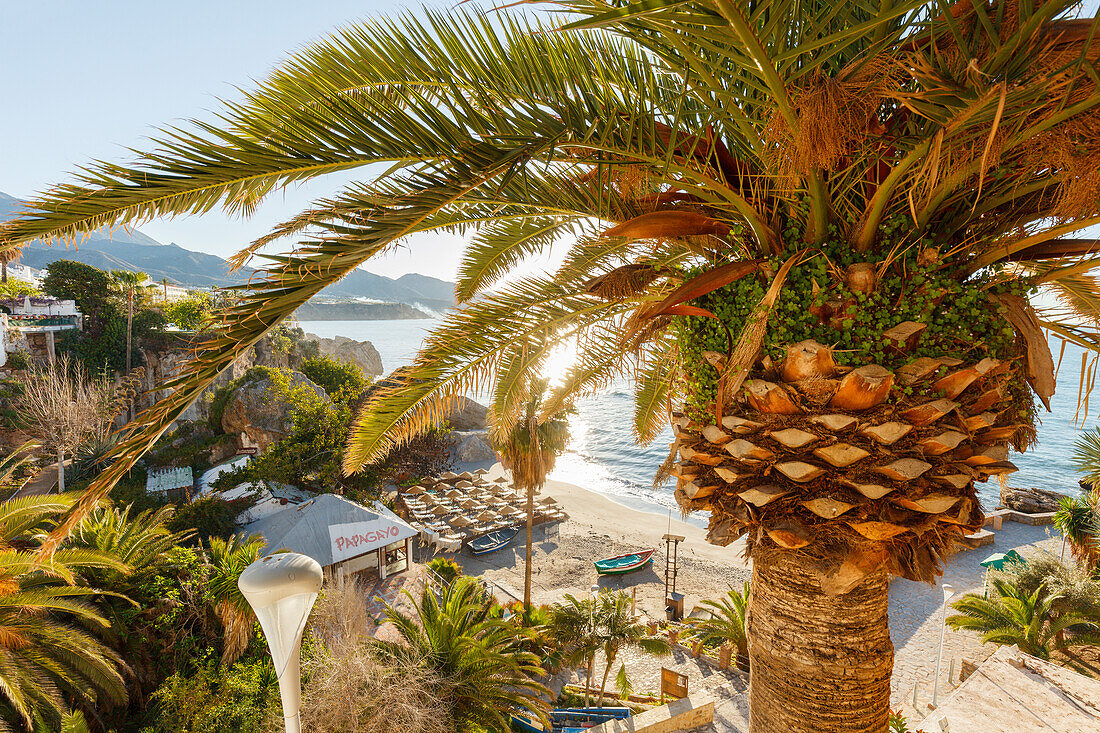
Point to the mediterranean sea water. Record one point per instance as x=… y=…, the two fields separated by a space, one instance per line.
x=603 y=455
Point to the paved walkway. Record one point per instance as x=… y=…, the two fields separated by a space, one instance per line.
x=916 y=616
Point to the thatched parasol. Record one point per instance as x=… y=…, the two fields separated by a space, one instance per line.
x=448 y=476
x=441 y=511
x=454 y=494
x=415 y=490
x=459 y=522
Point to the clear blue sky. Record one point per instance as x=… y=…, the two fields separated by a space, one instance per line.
x=84 y=79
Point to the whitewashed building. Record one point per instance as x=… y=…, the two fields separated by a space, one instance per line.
x=30 y=324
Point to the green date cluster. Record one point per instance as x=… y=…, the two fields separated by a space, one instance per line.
x=816 y=303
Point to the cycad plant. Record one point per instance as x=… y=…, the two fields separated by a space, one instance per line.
x=1012 y=617
x=727 y=622
x=529 y=445
x=483 y=673
x=50 y=656
x=806 y=229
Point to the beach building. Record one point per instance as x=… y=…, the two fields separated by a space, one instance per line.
x=343 y=536
x=30 y=324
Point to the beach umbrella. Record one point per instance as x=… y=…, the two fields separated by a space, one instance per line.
x=460 y=521
x=464 y=484
x=467 y=503
x=481 y=471
x=454 y=494
x=487 y=516
x=466 y=476
x=448 y=475
x=500 y=480
x=547 y=501
x=441 y=511
x=510 y=511
x=415 y=490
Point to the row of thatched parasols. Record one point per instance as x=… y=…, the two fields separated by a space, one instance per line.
x=456 y=507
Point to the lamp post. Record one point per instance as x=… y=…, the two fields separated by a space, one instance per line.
x=281 y=589
x=948 y=591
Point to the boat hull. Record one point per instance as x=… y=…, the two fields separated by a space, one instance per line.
x=623 y=564
x=502 y=540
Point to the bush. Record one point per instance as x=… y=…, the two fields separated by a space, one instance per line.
x=341 y=379
x=17 y=288
x=191 y=312
x=244 y=698
x=1080 y=592
x=17 y=361
x=445 y=568
x=210 y=516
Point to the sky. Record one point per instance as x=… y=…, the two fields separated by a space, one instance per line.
x=83 y=81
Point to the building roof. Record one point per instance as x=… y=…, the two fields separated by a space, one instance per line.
x=320 y=527
x=1013 y=692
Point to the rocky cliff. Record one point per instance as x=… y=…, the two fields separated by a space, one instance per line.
x=361 y=353
x=352 y=311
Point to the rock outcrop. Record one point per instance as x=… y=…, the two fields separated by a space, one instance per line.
x=1031 y=500
x=361 y=353
x=257 y=414
x=472 y=447
x=468 y=415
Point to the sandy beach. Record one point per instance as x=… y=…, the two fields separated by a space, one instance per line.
x=600 y=527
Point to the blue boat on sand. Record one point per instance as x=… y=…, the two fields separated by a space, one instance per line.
x=570 y=720
x=493 y=541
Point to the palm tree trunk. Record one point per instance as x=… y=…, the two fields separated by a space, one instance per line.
x=61 y=470
x=819 y=663
x=129 y=325
x=588 y=679
x=610 y=660
x=4 y=275
x=530 y=528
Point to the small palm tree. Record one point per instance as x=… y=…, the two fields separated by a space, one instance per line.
x=572 y=627
x=1078 y=520
x=228 y=559
x=484 y=673
x=1013 y=617
x=727 y=623
x=618 y=629
x=530 y=448
x=130 y=284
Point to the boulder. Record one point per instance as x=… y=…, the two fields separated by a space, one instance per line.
x=1031 y=500
x=468 y=415
x=361 y=353
x=258 y=415
x=472 y=447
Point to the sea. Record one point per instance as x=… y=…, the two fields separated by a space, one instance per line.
x=603 y=455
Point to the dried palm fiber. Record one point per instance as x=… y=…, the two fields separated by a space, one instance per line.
x=834 y=113
x=855 y=493
x=1070 y=150
x=633 y=181
x=623 y=282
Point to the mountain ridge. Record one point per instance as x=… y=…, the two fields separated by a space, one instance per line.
x=123 y=249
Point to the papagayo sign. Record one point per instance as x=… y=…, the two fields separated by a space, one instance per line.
x=356 y=538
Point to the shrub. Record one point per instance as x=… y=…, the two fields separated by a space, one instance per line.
x=341 y=379
x=1080 y=592
x=17 y=361
x=17 y=288
x=210 y=516
x=244 y=698
x=445 y=568
x=191 y=312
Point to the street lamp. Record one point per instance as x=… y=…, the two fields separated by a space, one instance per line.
x=948 y=591
x=281 y=589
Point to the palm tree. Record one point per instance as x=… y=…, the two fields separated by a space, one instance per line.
x=573 y=629
x=130 y=284
x=485 y=674
x=8 y=256
x=529 y=445
x=1014 y=618
x=807 y=229
x=47 y=655
x=618 y=629
x=228 y=559
x=1078 y=519
x=727 y=623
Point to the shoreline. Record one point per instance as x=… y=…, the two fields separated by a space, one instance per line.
x=597 y=527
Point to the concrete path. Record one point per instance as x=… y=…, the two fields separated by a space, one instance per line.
x=44 y=483
x=916 y=616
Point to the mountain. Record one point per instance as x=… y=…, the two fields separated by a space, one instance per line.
x=132 y=250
